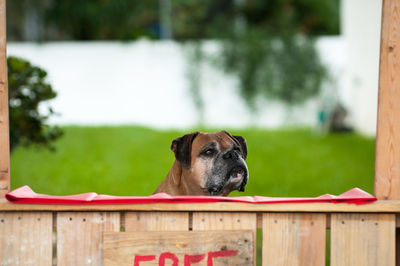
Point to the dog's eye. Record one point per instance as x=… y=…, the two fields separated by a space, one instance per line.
x=209 y=152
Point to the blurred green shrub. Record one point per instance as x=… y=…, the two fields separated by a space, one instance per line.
x=285 y=68
x=268 y=45
x=27 y=90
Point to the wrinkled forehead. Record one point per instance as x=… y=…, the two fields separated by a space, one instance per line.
x=218 y=140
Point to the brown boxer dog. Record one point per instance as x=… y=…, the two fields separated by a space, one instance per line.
x=207 y=164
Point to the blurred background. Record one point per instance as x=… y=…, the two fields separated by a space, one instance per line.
x=99 y=88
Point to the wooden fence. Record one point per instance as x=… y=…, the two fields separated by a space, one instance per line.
x=292 y=234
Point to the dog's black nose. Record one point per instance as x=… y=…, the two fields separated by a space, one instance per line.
x=231 y=155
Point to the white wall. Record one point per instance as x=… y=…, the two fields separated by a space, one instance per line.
x=361 y=25
x=144 y=83
x=113 y=83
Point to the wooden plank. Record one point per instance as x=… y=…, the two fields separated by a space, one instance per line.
x=4 y=125
x=293 y=239
x=80 y=236
x=26 y=238
x=387 y=162
x=226 y=221
x=227 y=248
x=156 y=221
x=362 y=239
x=383 y=206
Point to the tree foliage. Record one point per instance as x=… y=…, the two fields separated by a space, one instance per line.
x=27 y=90
x=285 y=68
x=268 y=45
x=82 y=20
x=199 y=19
x=104 y=19
x=191 y=19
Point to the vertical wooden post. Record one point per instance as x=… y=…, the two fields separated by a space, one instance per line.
x=387 y=162
x=4 y=128
x=387 y=159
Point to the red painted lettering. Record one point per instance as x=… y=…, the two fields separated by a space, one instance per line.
x=189 y=259
x=218 y=254
x=168 y=255
x=139 y=258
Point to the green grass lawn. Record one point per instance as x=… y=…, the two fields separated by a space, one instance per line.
x=130 y=160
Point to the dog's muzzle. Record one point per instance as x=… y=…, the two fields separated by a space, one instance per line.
x=233 y=177
x=239 y=172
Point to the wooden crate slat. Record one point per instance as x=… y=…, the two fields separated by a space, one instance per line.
x=80 y=236
x=362 y=239
x=156 y=221
x=26 y=238
x=293 y=239
x=226 y=221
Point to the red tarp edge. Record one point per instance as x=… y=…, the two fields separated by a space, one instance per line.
x=26 y=195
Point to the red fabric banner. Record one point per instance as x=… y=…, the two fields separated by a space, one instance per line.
x=26 y=195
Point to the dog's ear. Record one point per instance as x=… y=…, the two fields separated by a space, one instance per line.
x=243 y=145
x=241 y=141
x=182 y=147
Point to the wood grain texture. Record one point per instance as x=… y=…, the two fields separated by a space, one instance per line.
x=26 y=238
x=363 y=239
x=292 y=239
x=384 y=206
x=121 y=248
x=387 y=163
x=226 y=221
x=80 y=236
x=156 y=221
x=4 y=125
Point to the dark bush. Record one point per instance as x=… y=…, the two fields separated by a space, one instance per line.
x=27 y=90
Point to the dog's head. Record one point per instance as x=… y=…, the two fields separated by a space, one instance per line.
x=212 y=163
